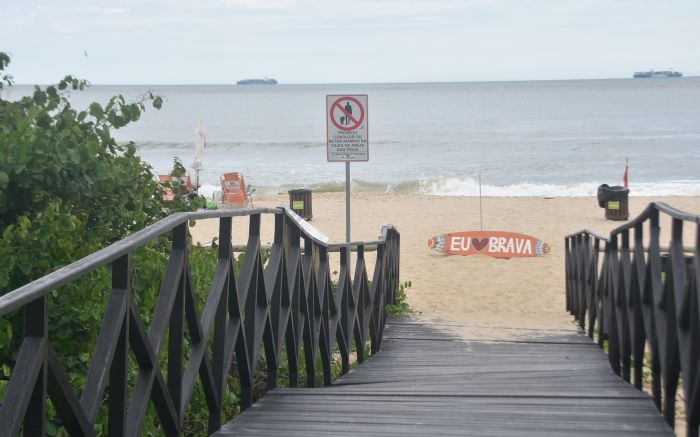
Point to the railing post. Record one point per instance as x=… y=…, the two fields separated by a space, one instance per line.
x=312 y=311
x=36 y=325
x=295 y=283
x=656 y=291
x=325 y=297
x=583 y=281
x=637 y=293
x=673 y=296
x=612 y=316
x=219 y=366
x=177 y=326
x=378 y=298
x=602 y=295
x=347 y=307
x=567 y=273
x=363 y=303
x=251 y=289
x=593 y=279
x=623 y=304
x=119 y=370
x=278 y=298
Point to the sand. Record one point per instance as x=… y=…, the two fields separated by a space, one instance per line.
x=477 y=296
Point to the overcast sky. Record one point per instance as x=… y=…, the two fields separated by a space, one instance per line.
x=324 y=41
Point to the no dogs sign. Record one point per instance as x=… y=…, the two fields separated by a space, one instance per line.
x=346 y=128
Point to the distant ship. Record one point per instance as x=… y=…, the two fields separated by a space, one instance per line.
x=264 y=81
x=652 y=73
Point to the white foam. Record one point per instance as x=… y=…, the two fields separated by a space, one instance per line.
x=470 y=187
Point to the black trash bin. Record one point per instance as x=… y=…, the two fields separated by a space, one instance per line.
x=615 y=200
x=300 y=202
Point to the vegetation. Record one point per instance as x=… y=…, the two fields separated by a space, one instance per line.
x=67 y=188
x=401 y=307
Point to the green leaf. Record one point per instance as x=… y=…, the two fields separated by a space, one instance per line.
x=66 y=223
x=135 y=112
x=4 y=60
x=7 y=233
x=39 y=97
x=51 y=428
x=74 y=156
x=5 y=338
x=96 y=110
x=3 y=388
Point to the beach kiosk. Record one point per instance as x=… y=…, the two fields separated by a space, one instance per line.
x=234 y=190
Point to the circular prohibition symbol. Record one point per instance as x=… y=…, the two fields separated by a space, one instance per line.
x=354 y=122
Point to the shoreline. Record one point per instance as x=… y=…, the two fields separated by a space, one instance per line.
x=475 y=296
x=470 y=188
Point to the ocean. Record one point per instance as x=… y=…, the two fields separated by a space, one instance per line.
x=535 y=138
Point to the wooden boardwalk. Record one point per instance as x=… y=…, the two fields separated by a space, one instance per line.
x=427 y=382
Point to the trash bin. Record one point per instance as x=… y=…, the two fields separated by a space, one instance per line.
x=615 y=200
x=300 y=202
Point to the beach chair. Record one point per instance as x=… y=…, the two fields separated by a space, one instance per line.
x=234 y=190
x=168 y=193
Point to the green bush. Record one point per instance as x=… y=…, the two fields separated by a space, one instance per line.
x=67 y=189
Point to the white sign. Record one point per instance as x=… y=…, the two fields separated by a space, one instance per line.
x=346 y=127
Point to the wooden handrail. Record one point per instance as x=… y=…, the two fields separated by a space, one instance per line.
x=287 y=302
x=642 y=300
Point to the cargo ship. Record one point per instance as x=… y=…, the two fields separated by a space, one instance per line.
x=652 y=73
x=264 y=81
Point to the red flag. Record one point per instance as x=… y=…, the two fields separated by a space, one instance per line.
x=625 y=177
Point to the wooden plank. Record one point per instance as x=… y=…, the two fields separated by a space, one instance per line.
x=425 y=381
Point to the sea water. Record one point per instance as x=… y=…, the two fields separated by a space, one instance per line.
x=536 y=138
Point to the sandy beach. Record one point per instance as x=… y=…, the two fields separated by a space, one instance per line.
x=477 y=296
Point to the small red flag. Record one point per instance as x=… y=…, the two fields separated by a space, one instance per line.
x=625 y=177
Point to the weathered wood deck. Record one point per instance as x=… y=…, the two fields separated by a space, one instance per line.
x=428 y=382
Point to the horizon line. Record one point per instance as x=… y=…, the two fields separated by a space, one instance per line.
x=360 y=83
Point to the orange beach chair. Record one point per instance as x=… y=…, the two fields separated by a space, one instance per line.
x=234 y=190
x=167 y=191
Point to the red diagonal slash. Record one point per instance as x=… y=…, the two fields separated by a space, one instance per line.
x=347 y=114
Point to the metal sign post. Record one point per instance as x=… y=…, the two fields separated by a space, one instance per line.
x=346 y=135
x=347 y=202
x=481 y=214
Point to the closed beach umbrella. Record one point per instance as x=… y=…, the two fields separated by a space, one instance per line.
x=199 y=151
x=198 y=165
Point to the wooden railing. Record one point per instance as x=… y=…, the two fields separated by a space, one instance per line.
x=642 y=301
x=287 y=302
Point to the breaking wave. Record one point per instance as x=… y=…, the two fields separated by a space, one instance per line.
x=470 y=187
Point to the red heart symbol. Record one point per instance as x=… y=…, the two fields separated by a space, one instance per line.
x=480 y=244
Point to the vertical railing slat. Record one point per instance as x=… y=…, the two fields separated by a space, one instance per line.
x=36 y=325
x=119 y=370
